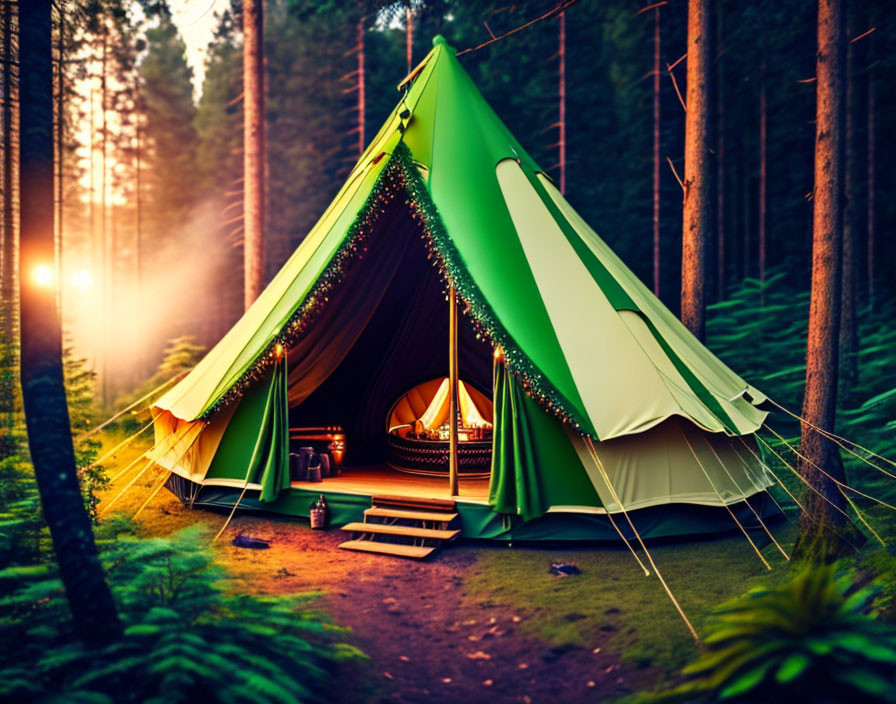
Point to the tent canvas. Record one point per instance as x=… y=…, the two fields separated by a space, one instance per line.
x=603 y=401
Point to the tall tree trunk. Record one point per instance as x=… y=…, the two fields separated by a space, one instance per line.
x=696 y=171
x=870 y=187
x=104 y=251
x=816 y=540
x=746 y=206
x=720 y=162
x=253 y=150
x=763 y=175
x=561 y=101
x=849 y=336
x=60 y=147
x=656 y=152
x=409 y=36
x=43 y=391
x=362 y=96
x=8 y=253
x=138 y=211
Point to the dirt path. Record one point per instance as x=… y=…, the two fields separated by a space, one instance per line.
x=428 y=640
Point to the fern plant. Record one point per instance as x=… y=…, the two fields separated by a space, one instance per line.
x=189 y=636
x=810 y=639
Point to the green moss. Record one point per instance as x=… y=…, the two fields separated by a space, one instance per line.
x=612 y=604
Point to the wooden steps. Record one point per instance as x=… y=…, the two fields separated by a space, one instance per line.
x=397 y=549
x=404 y=526
x=410 y=531
x=434 y=516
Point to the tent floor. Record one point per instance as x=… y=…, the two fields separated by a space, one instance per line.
x=379 y=481
x=350 y=495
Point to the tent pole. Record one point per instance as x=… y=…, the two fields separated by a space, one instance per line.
x=452 y=391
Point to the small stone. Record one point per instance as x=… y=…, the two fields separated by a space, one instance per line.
x=591 y=683
x=596 y=651
x=522 y=666
x=517 y=619
x=479 y=655
x=387 y=676
x=474 y=638
x=446 y=680
x=404 y=658
x=487 y=683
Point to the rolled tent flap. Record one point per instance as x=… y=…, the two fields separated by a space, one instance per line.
x=255 y=449
x=534 y=466
x=274 y=466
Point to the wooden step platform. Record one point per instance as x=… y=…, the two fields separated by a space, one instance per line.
x=397 y=549
x=409 y=515
x=404 y=526
x=409 y=531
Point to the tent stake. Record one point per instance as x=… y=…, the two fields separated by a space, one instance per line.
x=452 y=391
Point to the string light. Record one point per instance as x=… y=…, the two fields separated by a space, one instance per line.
x=401 y=178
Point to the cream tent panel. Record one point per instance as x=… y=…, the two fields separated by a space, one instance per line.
x=622 y=389
x=659 y=467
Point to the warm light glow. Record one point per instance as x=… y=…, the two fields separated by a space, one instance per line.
x=499 y=353
x=278 y=350
x=43 y=275
x=82 y=280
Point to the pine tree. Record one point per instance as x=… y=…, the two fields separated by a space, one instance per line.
x=696 y=171
x=43 y=390
x=822 y=466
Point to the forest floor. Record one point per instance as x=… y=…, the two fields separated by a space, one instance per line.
x=480 y=622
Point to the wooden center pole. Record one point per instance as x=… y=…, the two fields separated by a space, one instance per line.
x=452 y=390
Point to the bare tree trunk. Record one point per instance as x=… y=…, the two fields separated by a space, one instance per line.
x=9 y=237
x=46 y=413
x=849 y=369
x=656 y=152
x=60 y=147
x=816 y=540
x=720 y=163
x=409 y=37
x=696 y=171
x=104 y=253
x=561 y=86
x=763 y=175
x=870 y=186
x=746 y=209
x=253 y=150
x=138 y=210
x=362 y=97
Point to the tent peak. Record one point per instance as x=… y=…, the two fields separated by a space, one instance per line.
x=439 y=40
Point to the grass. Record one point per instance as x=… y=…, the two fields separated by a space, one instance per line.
x=612 y=603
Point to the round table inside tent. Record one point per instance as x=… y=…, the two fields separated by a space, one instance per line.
x=418 y=430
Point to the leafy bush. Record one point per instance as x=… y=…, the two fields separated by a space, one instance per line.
x=187 y=636
x=810 y=639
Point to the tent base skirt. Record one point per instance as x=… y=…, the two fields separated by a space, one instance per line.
x=481 y=523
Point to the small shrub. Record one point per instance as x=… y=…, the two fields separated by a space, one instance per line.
x=187 y=638
x=811 y=639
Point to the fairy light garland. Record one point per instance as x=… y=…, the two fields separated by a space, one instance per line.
x=401 y=178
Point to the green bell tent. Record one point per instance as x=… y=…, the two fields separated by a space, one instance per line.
x=589 y=398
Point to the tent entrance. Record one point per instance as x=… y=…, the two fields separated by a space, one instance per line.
x=382 y=340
